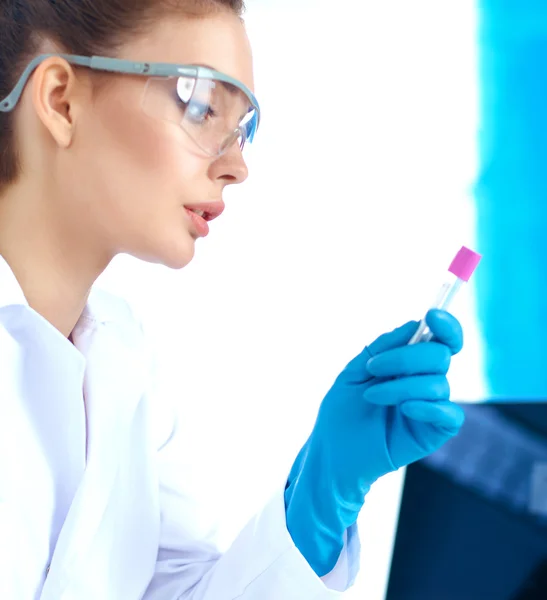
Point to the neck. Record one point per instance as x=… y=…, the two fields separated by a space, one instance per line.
x=54 y=264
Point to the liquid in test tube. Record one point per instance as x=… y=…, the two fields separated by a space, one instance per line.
x=462 y=267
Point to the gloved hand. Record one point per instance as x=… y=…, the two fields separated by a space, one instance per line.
x=388 y=408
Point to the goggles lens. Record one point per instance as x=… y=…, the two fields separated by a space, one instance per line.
x=213 y=113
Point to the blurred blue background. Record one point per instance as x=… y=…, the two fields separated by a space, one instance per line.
x=511 y=196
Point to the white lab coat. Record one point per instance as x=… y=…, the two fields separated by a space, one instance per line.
x=94 y=503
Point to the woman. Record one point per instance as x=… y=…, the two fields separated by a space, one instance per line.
x=130 y=152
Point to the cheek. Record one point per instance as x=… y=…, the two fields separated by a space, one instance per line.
x=148 y=170
x=142 y=151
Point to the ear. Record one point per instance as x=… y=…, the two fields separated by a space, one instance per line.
x=56 y=93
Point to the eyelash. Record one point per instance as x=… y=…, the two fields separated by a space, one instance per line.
x=211 y=113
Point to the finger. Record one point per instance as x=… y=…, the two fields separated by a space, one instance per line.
x=394 y=339
x=446 y=329
x=419 y=359
x=445 y=415
x=356 y=370
x=418 y=387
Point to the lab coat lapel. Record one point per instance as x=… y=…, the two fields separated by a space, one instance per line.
x=114 y=383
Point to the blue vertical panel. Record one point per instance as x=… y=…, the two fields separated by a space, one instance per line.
x=511 y=196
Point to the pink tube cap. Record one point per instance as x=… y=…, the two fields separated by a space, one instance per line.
x=464 y=263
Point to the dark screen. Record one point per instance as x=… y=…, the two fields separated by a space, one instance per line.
x=473 y=519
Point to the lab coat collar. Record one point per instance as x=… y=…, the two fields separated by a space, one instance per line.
x=115 y=379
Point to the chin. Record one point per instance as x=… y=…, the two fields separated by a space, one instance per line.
x=173 y=256
x=176 y=262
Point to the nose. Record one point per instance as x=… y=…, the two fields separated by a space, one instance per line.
x=230 y=167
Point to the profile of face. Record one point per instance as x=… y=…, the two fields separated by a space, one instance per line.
x=118 y=178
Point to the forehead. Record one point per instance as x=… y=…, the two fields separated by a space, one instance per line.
x=219 y=41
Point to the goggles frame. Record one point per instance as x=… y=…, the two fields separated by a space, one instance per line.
x=129 y=67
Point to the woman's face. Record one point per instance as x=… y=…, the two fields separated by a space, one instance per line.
x=126 y=176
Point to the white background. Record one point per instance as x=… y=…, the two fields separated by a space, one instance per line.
x=358 y=198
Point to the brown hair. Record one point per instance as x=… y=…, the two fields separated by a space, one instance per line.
x=85 y=27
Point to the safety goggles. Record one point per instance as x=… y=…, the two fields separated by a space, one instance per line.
x=214 y=109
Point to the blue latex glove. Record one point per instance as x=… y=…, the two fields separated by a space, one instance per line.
x=388 y=408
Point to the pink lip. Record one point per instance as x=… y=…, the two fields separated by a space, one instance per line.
x=200 y=224
x=212 y=210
